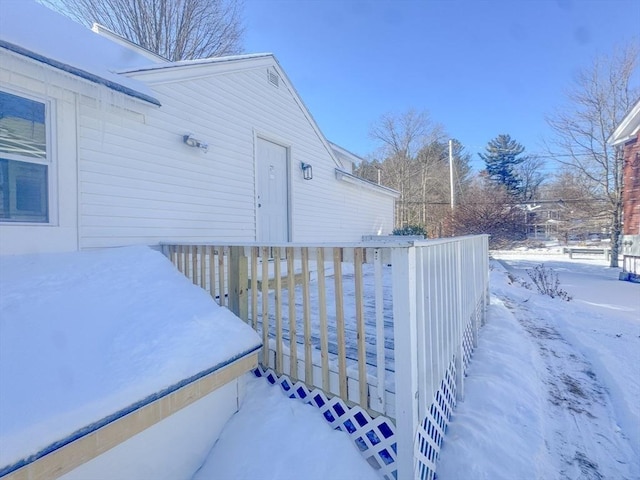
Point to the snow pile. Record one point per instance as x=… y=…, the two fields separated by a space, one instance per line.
x=83 y=335
x=500 y=417
x=553 y=389
x=275 y=437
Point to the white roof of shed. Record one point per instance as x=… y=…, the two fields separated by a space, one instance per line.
x=35 y=31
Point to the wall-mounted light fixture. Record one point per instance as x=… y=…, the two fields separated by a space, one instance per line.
x=307 y=171
x=190 y=140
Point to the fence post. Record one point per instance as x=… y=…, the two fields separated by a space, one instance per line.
x=460 y=322
x=486 y=277
x=403 y=260
x=238 y=282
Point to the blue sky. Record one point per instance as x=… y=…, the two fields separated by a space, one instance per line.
x=480 y=68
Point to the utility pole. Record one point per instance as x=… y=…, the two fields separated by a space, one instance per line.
x=453 y=197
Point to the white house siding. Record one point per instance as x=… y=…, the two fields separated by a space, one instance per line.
x=21 y=76
x=140 y=184
x=124 y=163
x=359 y=210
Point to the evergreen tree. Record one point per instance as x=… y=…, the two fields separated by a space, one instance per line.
x=502 y=156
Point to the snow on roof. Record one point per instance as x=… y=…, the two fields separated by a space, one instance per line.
x=35 y=31
x=200 y=61
x=84 y=335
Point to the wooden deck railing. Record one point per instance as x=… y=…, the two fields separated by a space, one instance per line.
x=303 y=293
x=382 y=324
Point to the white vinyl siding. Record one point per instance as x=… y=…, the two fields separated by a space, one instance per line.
x=124 y=175
x=141 y=184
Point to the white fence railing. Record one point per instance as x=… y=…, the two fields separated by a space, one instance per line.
x=386 y=326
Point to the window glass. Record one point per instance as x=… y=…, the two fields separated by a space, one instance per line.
x=24 y=167
x=22 y=126
x=23 y=191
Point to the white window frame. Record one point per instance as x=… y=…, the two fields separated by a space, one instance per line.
x=49 y=160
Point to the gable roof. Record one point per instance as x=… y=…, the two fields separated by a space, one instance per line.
x=186 y=70
x=61 y=43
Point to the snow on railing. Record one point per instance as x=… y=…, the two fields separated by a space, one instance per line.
x=386 y=326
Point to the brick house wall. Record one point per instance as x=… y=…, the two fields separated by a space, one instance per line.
x=631 y=187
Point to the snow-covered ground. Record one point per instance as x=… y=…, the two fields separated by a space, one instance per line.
x=553 y=392
x=274 y=437
x=554 y=387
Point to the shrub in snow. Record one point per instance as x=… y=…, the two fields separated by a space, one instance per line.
x=547 y=282
x=410 y=230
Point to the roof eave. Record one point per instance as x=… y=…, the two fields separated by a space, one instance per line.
x=628 y=128
x=351 y=178
x=79 y=72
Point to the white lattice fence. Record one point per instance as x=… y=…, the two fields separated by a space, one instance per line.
x=467 y=345
x=432 y=430
x=374 y=437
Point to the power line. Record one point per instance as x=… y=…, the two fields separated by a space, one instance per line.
x=560 y=201
x=536 y=154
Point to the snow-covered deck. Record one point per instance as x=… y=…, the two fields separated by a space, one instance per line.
x=95 y=339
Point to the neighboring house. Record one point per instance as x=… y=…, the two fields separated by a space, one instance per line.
x=627 y=137
x=93 y=158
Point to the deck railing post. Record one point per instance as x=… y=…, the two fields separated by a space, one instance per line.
x=238 y=280
x=403 y=260
x=485 y=283
x=460 y=320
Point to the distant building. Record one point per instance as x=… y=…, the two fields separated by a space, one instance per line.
x=627 y=137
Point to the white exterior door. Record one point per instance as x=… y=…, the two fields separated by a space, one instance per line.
x=272 y=192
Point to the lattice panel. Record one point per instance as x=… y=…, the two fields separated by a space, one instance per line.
x=467 y=346
x=374 y=437
x=432 y=429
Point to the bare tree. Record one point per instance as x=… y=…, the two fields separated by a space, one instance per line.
x=573 y=210
x=435 y=188
x=489 y=208
x=531 y=177
x=401 y=138
x=599 y=99
x=174 y=29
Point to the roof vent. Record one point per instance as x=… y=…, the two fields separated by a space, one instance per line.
x=273 y=78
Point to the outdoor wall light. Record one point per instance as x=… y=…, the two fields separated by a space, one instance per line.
x=191 y=141
x=307 y=171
